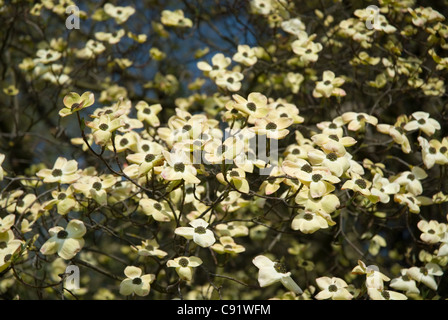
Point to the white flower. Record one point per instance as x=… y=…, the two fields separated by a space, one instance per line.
x=198 y=232
x=332 y=288
x=271 y=272
x=377 y=294
x=423 y=122
x=136 y=282
x=65 y=242
x=426 y=274
x=184 y=266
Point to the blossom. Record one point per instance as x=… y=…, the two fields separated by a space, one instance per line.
x=245 y=55
x=9 y=246
x=237 y=177
x=178 y=167
x=426 y=274
x=397 y=133
x=175 y=18
x=358 y=184
x=271 y=272
x=65 y=242
x=374 y=278
x=404 y=283
x=227 y=245
x=147 y=160
x=357 y=120
x=329 y=86
x=136 y=282
x=184 y=266
x=120 y=14
x=293 y=26
x=7 y=222
x=94 y=187
x=255 y=106
x=64 y=201
x=232 y=229
x=272 y=128
x=150 y=248
x=230 y=80
x=333 y=143
x=64 y=171
x=159 y=211
x=377 y=294
x=111 y=38
x=382 y=188
x=46 y=56
x=337 y=165
x=432 y=152
x=423 y=122
x=308 y=222
x=332 y=288
x=218 y=66
x=432 y=231
x=307 y=50
x=148 y=113
x=198 y=232
x=103 y=127
x=411 y=180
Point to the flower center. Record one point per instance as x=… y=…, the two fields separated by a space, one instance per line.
x=308 y=216
x=307 y=168
x=149 y=157
x=145 y=147
x=75 y=105
x=199 y=230
x=251 y=106
x=424 y=271
x=411 y=177
x=186 y=127
x=56 y=172
x=385 y=294
x=7 y=257
x=361 y=183
x=327 y=82
x=332 y=156
x=432 y=150
x=234 y=174
x=280 y=267
x=3 y=245
x=104 y=126
x=332 y=126
x=157 y=206
x=295 y=151
x=97 y=186
x=147 y=111
x=137 y=281
x=124 y=142
x=360 y=117
x=316 y=177
x=443 y=149
x=230 y=80
x=62 y=196
x=271 y=126
x=332 y=288
x=62 y=234
x=421 y=121
x=430 y=231
x=179 y=167
x=183 y=262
